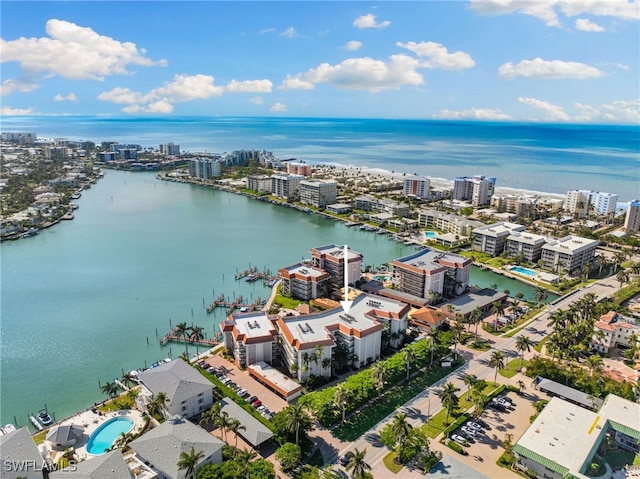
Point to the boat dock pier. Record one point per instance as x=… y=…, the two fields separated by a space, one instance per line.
x=236 y=304
x=246 y=272
x=172 y=336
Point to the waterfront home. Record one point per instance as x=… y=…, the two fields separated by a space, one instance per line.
x=613 y=330
x=161 y=447
x=416 y=187
x=188 y=392
x=20 y=456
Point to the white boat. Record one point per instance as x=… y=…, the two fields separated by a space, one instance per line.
x=44 y=418
x=7 y=428
x=35 y=423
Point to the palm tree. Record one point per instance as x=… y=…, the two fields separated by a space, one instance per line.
x=478 y=399
x=357 y=465
x=234 y=426
x=182 y=331
x=497 y=309
x=127 y=379
x=244 y=458
x=223 y=421
x=189 y=462
x=497 y=362
x=197 y=334
x=508 y=444
x=401 y=430
x=540 y=295
x=623 y=277
x=433 y=337
x=341 y=397
x=523 y=344
x=595 y=363
x=379 y=374
x=521 y=385
x=110 y=388
x=457 y=329
x=448 y=398
x=408 y=356
x=211 y=414
x=469 y=381
x=297 y=418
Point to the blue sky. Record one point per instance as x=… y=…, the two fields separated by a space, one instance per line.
x=543 y=60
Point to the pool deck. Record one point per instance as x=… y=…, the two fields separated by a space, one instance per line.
x=91 y=421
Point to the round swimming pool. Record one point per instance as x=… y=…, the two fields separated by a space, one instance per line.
x=104 y=437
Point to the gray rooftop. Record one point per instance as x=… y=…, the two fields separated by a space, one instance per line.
x=478 y=299
x=430 y=260
x=106 y=466
x=18 y=446
x=178 y=380
x=161 y=447
x=568 y=393
x=255 y=433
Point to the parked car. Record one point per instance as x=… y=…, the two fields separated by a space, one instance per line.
x=344 y=460
x=251 y=399
x=468 y=430
x=482 y=423
x=212 y=370
x=460 y=440
x=262 y=409
x=257 y=403
x=467 y=437
x=502 y=401
x=497 y=406
x=474 y=425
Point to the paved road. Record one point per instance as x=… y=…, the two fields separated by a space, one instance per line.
x=428 y=402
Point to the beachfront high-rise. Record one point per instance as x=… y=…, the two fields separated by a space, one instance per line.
x=583 y=202
x=170 y=149
x=286 y=186
x=568 y=254
x=477 y=189
x=416 y=186
x=203 y=167
x=632 y=220
x=331 y=259
x=492 y=239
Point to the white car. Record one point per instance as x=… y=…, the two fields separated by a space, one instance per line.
x=502 y=402
x=474 y=425
x=460 y=440
x=469 y=430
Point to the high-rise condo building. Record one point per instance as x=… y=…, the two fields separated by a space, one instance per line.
x=417 y=186
x=477 y=189
x=632 y=220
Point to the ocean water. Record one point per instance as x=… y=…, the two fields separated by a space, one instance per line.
x=551 y=158
x=89 y=298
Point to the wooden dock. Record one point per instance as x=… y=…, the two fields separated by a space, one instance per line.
x=173 y=337
x=237 y=303
x=246 y=272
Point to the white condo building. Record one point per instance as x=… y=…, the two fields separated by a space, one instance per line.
x=170 y=149
x=492 y=239
x=477 y=189
x=286 y=186
x=632 y=219
x=582 y=202
x=568 y=253
x=259 y=183
x=318 y=193
x=417 y=186
x=205 y=167
x=331 y=259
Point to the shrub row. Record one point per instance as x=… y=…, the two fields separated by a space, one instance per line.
x=456 y=424
x=455 y=446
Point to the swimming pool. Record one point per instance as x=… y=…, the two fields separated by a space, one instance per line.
x=104 y=437
x=525 y=271
x=430 y=234
x=384 y=277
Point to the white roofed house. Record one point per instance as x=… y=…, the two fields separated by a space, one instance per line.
x=20 y=456
x=613 y=330
x=188 y=392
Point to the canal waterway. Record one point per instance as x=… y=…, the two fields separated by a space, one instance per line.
x=82 y=301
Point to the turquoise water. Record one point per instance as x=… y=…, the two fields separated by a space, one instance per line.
x=525 y=271
x=104 y=437
x=564 y=157
x=430 y=234
x=85 y=299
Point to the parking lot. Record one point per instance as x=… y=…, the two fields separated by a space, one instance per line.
x=267 y=397
x=486 y=448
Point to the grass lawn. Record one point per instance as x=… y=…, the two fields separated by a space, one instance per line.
x=368 y=416
x=618 y=458
x=288 y=303
x=40 y=437
x=538 y=347
x=121 y=402
x=391 y=465
x=436 y=423
x=511 y=368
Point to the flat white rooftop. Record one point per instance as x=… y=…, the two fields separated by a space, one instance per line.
x=253 y=325
x=498 y=229
x=431 y=260
x=573 y=244
x=275 y=378
x=305 y=270
x=336 y=251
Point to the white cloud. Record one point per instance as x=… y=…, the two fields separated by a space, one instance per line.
x=553 y=112
x=249 y=86
x=185 y=88
x=289 y=33
x=5 y=110
x=278 y=107
x=547 y=10
x=69 y=97
x=364 y=74
x=74 y=52
x=549 y=69
x=473 y=114
x=121 y=96
x=9 y=86
x=586 y=25
x=296 y=83
x=438 y=56
x=353 y=45
x=627 y=111
x=257 y=100
x=267 y=30
x=369 y=21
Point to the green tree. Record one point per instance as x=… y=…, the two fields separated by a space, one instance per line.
x=189 y=462
x=182 y=331
x=523 y=344
x=357 y=465
x=235 y=426
x=297 y=419
x=110 y=388
x=197 y=334
x=595 y=363
x=449 y=399
x=379 y=375
x=469 y=381
x=243 y=459
x=401 y=429
x=341 y=398
x=540 y=295
x=289 y=456
x=408 y=356
x=497 y=362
